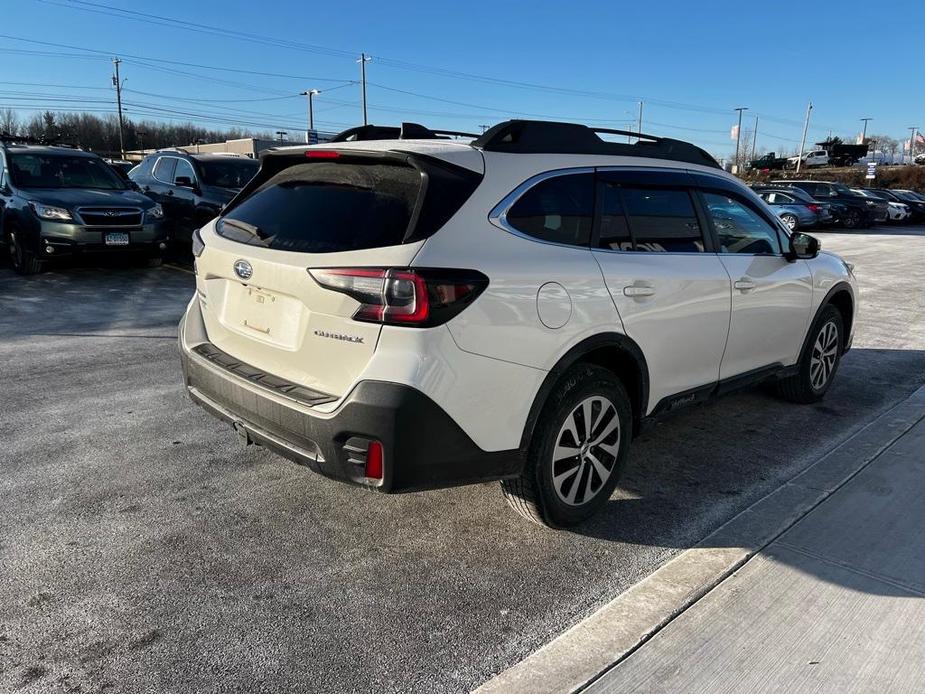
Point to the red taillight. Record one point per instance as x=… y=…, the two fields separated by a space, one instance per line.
x=413 y=297
x=813 y=208
x=374 y=457
x=322 y=154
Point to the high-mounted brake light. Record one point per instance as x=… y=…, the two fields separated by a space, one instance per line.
x=322 y=154
x=399 y=296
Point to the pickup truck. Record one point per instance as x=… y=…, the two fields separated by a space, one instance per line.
x=832 y=152
x=769 y=162
x=817 y=157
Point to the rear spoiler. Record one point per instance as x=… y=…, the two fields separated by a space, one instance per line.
x=407 y=131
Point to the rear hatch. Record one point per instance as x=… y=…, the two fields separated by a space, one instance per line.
x=306 y=211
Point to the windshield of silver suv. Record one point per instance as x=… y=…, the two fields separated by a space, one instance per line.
x=33 y=170
x=227 y=173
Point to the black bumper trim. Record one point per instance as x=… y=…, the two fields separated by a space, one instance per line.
x=424 y=448
x=309 y=396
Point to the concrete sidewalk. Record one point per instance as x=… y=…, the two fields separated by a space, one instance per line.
x=835 y=604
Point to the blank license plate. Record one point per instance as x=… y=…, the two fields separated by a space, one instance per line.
x=116 y=239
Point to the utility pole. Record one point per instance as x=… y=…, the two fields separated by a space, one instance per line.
x=755 y=139
x=362 y=61
x=484 y=127
x=639 y=123
x=809 y=110
x=739 y=134
x=311 y=114
x=281 y=134
x=912 y=144
x=117 y=83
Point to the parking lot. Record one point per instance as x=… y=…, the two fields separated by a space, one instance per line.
x=143 y=550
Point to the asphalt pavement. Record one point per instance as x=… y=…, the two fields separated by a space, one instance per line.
x=141 y=549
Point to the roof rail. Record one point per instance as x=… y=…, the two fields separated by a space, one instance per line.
x=407 y=131
x=548 y=137
x=6 y=139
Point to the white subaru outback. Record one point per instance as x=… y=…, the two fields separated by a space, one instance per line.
x=416 y=312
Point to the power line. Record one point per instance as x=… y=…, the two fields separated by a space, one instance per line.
x=160 y=20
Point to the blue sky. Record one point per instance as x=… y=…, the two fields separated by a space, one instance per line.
x=691 y=63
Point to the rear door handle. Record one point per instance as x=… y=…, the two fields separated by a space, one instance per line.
x=744 y=285
x=636 y=290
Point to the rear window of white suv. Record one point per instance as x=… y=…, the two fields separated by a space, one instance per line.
x=325 y=207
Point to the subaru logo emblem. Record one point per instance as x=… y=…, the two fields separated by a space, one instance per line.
x=111 y=213
x=243 y=269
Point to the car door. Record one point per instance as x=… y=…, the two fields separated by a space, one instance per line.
x=669 y=287
x=5 y=192
x=184 y=194
x=771 y=295
x=160 y=183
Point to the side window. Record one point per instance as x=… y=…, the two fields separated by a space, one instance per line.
x=739 y=228
x=184 y=170
x=615 y=233
x=558 y=209
x=163 y=169
x=662 y=220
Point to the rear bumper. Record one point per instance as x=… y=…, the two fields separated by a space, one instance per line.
x=423 y=447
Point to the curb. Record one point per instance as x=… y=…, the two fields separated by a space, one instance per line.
x=587 y=650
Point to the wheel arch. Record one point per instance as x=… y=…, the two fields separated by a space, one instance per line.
x=841 y=296
x=613 y=351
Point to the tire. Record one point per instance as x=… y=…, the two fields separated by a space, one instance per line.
x=852 y=220
x=23 y=261
x=791 y=221
x=819 y=362
x=547 y=491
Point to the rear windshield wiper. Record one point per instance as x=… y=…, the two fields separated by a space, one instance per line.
x=245 y=227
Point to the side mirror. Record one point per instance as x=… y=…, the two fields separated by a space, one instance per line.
x=184 y=182
x=803 y=246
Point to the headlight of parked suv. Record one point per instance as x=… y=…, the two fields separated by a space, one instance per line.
x=57 y=214
x=156 y=212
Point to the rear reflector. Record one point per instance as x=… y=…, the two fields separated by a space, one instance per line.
x=398 y=296
x=322 y=154
x=373 y=468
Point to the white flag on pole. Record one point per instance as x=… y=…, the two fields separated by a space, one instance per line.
x=734 y=133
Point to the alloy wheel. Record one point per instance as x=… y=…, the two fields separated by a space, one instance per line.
x=825 y=352
x=586 y=450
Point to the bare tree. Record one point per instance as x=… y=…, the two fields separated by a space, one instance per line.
x=883 y=143
x=9 y=123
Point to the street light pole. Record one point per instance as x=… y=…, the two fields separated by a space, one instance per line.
x=755 y=139
x=311 y=114
x=739 y=134
x=809 y=110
